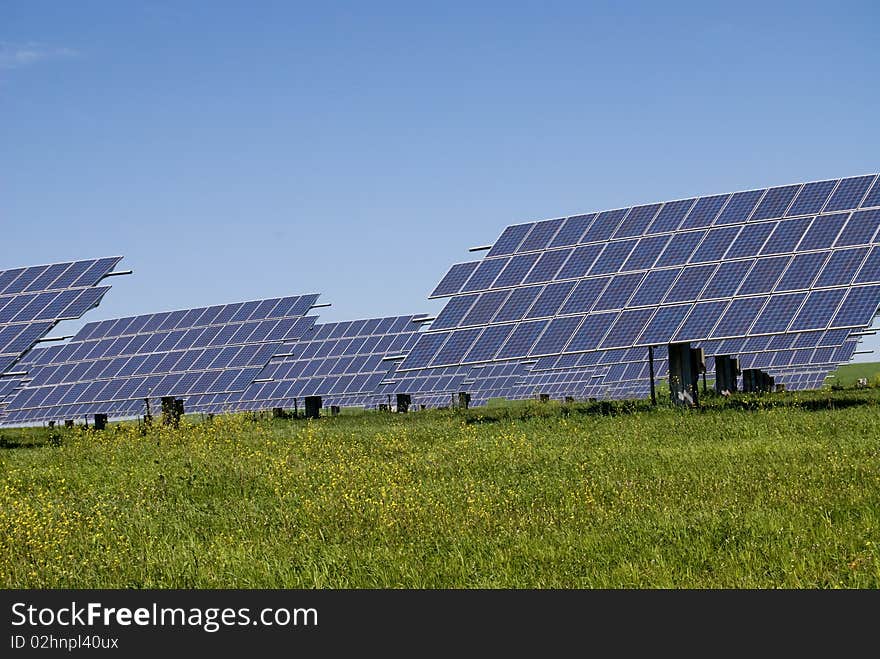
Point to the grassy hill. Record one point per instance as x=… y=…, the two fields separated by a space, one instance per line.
x=848 y=374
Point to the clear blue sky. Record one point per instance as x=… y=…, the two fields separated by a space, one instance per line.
x=251 y=150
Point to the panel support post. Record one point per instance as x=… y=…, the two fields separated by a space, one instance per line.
x=682 y=375
x=313 y=407
x=651 y=372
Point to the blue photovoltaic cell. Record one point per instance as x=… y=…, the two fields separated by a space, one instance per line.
x=457 y=345
x=841 y=267
x=550 y=300
x=636 y=221
x=645 y=253
x=690 y=283
x=870 y=271
x=801 y=272
x=654 y=287
x=739 y=316
x=584 y=295
x=509 y=240
x=739 y=207
x=580 y=261
x=484 y=275
x=700 y=321
x=818 y=310
x=591 y=332
x=873 y=197
x=521 y=340
x=484 y=308
x=860 y=229
x=680 y=248
x=487 y=345
x=627 y=327
x=750 y=240
x=763 y=275
x=664 y=323
x=425 y=348
x=612 y=257
x=457 y=275
x=778 y=313
x=517 y=304
x=540 y=235
x=759 y=343
x=704 y=211
x=775 y=202
x=716 y=242
x=604 y=225
x=670 y=216
x=557 y=334
x=547 y=266
x=811 y=198
x=822 y=232
x=786 y=236
x=849 y=193
x=572 y=229
x=619 y=291
x=516 y=270
x=859 y=307
x=726 y=279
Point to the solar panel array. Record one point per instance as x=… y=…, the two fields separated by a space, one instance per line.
x=794 y=265
x=341 y=362
x=109 y=364
x=783 y=278
x=34 y=299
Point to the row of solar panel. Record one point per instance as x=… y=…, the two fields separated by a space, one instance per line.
x=69 y=304
x=671 y=251
x=819 y=310
x=163 y=343
x=338 y=385
x=724 y=209
x=84 y=363
x=197 y=359
x=222 y=314
x=734 y=346
x=363 y=345
x=57 y=276
x=739 y=278
x=102 y=391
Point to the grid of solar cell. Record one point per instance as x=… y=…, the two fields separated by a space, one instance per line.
x=197 y=351
x=825 y=242
x=343 y=363
x=34 y=299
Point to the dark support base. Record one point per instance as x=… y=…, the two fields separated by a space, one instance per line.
x=68 y=423
x=685 y=366
x=726 y=373
x=172 y=411
x=464 y=399
x=313 y=407
x=100 y=421
x=334 y=410
x=544 y=398
x=403 y=402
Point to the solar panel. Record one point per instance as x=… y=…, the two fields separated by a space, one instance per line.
x=712 y=270
x=342 y=362
x=189 y=352
x=33 y=300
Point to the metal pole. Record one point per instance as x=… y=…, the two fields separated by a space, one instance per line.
x=651 y=369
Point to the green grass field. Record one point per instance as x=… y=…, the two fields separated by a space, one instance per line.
x=848 y=374
x=780 y=491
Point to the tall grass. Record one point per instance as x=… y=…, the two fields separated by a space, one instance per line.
x=758 y=495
